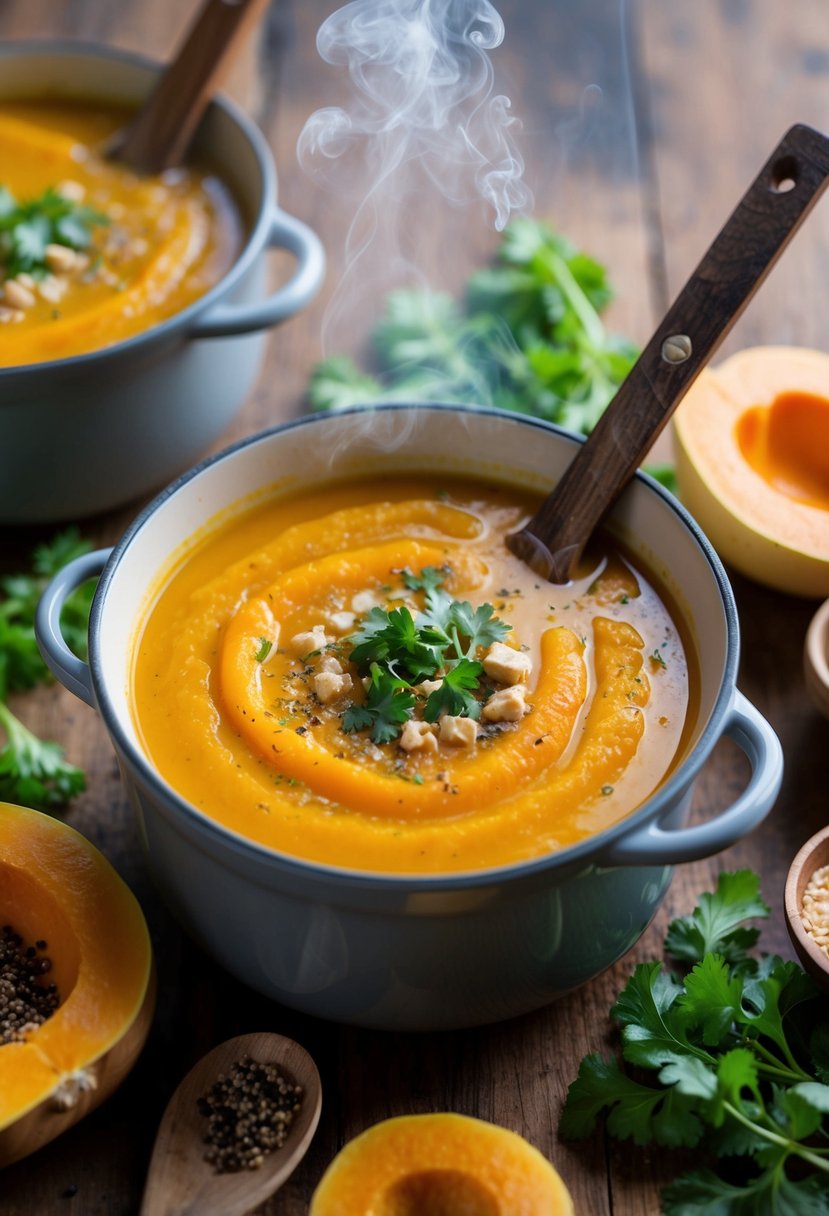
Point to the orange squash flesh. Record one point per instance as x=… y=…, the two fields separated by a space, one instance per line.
x=440 y=1165
x=55 y=885
x=752 y=457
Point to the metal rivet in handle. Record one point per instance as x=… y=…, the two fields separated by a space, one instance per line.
x=677 y=348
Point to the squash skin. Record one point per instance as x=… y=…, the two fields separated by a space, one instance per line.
x=456 y=1163
x=755 y=528
x=55 y=884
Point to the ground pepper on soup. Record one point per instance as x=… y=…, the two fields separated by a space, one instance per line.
x=91 y=253
x=367 y=676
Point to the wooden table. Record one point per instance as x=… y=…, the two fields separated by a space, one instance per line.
x=641 y=173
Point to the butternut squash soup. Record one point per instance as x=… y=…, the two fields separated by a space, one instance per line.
x=366 y=676
x=91 y=254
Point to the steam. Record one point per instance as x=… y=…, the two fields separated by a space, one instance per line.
x=423 y=120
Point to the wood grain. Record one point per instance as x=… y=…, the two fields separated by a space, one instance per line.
x=692 y=97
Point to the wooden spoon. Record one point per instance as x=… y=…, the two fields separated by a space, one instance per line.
x=181 y=1182
x=744 y=251
x=159 y=135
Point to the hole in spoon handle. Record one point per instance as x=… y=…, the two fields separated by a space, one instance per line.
x=737 y=262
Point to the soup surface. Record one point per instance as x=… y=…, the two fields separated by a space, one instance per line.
x=91 y=254
x=367 y=677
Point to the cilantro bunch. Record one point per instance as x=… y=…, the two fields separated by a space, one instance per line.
x=398 y=651
x=26 y=228
x=529 y=338
x=33 y=771
x=731 y=1058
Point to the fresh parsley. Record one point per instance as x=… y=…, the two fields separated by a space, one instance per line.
x=400 y=650
x=528 y=338
x=389 y=703
x=32 y=770
x=738 y=1052
x=265 y=648
x=27 y=228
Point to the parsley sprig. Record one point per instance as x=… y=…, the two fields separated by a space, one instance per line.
x=33 y=771
x=27 y=228
x=399 y=651
x=739 y=1050
x=529 y=337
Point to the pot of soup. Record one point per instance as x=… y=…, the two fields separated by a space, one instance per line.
x=382 y=772
x=133 y=311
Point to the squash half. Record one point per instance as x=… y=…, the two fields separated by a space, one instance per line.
x=56 y=886
x=440 y=1165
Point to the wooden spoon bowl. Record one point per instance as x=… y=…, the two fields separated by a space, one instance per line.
x=813 y=855
x=181 y=1182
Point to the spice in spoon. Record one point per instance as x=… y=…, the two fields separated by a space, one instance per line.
x=25 y=1001
x=249 y=1112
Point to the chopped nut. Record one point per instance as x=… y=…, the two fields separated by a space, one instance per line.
x=364 y=601
x=72 y=190
x=342 y=621
x=506 y=665
x=330 y=663
x=16 y=295
x=330 y=687
x=506 y=705
x=418 y=737
x=427 y=687
x=61 y=259
x=458 y=732
x=9 y=316
x=52 y=288
x=312 y=639
x=26 y=280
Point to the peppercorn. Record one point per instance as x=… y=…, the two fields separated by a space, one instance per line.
x=249 y=1113
x=25 y=1002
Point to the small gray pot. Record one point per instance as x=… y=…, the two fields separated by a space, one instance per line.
x=85 y=434
x=397 y=951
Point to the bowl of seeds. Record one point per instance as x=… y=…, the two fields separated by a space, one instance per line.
x=807 y=906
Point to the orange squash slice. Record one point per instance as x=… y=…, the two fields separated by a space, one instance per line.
x=57 y=887
x=440 y=1165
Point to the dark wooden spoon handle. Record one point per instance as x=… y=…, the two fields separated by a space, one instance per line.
x=742 y=254
x=159 y=136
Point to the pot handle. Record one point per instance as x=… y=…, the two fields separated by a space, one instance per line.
x=654 y=845
x=72 y=672
x=286 y=232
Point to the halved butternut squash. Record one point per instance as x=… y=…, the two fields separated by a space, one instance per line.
x=752 y=457
x=57 y=888
x=440 y=1165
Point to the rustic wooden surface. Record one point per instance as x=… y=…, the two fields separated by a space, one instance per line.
x=643 y=173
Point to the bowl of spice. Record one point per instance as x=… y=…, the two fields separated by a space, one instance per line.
x=807 y=906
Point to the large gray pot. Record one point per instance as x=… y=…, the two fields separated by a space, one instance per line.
x=85 y=434
x=419 y=952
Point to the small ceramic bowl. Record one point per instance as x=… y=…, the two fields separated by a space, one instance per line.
x=816 y=659
x=813 y=855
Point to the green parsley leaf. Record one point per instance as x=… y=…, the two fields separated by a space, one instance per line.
x=389 y=703
x=456 y=693
x=265 y=648
x=716 y=924
x=27 y=228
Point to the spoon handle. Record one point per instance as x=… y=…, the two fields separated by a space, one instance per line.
x=159 y=136
x=742 y=254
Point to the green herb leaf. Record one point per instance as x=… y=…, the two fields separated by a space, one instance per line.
x=26 y=228
x=716 y=925
x=265 y=648
x=389 y=703
x=456 y=694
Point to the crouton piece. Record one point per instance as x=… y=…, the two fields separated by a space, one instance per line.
x=312 y=639
x=506 y=665
x=506 y=705
x=418 y=737
x=329 y=686
x=331 y=663
x=458 y=732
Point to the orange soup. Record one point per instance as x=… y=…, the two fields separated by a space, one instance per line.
x=90 y=253
x=366 y=676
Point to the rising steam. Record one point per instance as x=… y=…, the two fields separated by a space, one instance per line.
x=423 y=120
